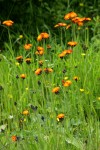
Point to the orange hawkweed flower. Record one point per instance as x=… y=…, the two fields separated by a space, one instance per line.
x=27 y=46
x=68 y=26
x=48 y=46
x=39 y=48
x=39 y=52
x=39 y=38
x=43 y=35
x=38 y=71
x=76 y=78
x=66 y=83
x=14 y=138
x=78 y=19
x=60 y=117
x=28 y=60
x=70 y=15
x=25 y=112
x=55 y=26
x=72 y=43
x=61 y=24
x=80 y=23
x=19 y=59
x=41 y=62
x=48 y=70
x=62 y=55
x=65 y=52
x=87 y=19
x=69 y=51
x=8 y=23
x=56 y=90
x=23 y=76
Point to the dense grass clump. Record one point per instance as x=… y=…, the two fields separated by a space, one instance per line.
x=50 y=88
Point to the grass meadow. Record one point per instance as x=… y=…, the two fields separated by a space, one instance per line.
x=50 y=88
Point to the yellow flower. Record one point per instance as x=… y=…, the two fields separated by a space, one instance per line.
x=86 y=28
x=10 y=96
x=65 y=78
x=21 y=36
x=27 y=89
x=17 y=63
x=83 y=54
x=81 y=90
x=79 y=28
x=98 y=98
x=81 y=4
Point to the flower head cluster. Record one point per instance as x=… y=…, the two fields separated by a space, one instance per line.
x=46 y=70
x=40 y=50
x=65 y=52
x=75 y=19
x=80 y=21
x=70 y=15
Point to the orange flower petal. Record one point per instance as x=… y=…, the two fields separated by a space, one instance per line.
x=23 y=76
x=38 y=71
x=25 y=112
x=56 y=90
x=72 y=43
x=27 y=46
x=8 y=22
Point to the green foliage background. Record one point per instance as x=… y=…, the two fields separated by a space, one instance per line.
x=31 y=14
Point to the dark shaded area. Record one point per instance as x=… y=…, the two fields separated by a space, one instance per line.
x=31 y=15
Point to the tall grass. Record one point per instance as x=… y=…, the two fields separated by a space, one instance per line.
x=79 y=102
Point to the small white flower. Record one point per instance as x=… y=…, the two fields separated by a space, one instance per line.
x=10 y=117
